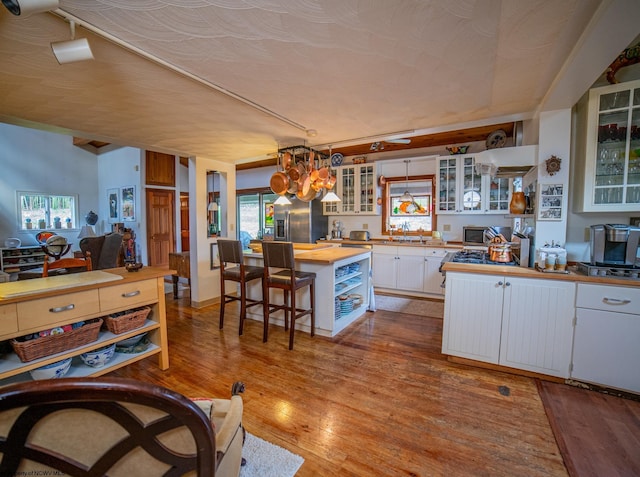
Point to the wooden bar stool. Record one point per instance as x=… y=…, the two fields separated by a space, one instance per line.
x=230 y=252
x=280 y=255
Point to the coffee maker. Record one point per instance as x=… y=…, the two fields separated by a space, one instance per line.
x=614 y=244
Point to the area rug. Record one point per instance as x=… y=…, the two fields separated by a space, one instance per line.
x=268 y=460
x=411 y=306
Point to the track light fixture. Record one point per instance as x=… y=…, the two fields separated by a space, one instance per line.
x=72 y=50
x=23 y=8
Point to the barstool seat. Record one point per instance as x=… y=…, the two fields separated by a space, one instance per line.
x=280 y=255
x=230 y=252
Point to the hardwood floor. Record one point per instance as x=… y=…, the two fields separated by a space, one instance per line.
x=377 y=400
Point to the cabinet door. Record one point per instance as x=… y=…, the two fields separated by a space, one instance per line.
x=384 y=267
x=606 y=350
x=347 y=180
x=447 y=185
x=497 y=195
x=473 y=316
x=410 y=268
x=460 y=187
x=537 y=325
x=612 y=169
x=472 y=187
x=366 y=200
x=432 y=280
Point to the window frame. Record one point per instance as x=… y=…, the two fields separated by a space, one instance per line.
x=386 y=202
x=49 y=215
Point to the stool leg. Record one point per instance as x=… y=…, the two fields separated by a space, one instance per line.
x=222 y=303
x=312 y=299
x=293 y=318
x=243 y=306
x=174 y=278
x=286 y=309
x=265 y=310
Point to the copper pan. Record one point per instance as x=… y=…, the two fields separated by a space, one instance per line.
x=279 y=183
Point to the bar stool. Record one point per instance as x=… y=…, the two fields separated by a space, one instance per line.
x=280 y=255
x=230 y=252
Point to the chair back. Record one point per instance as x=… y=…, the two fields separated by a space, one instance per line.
x=105 y=426
x=67 y=263
x=278 y=255
x=230 y=251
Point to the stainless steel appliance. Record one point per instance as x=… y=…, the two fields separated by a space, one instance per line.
x=614 y=250
x=473 y=235
x=614 y=244
x=361 y=235
x=301 y=221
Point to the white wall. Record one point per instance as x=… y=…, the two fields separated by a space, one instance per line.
x=40 y=161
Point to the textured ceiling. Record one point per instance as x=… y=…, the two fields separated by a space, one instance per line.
x=346 y=68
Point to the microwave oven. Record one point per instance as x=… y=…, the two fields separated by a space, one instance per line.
x=473 y=235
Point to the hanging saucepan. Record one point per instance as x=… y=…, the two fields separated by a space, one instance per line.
x=279 y=183
x=309 y=196
x=286 y=160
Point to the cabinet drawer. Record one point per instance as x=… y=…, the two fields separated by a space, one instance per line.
x=45 y=312
x=128 y=295
x=609 y=298
x=8 y=319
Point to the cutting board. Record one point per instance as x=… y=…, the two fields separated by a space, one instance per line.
x=59 y=282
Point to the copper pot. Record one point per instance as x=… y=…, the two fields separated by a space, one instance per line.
x=500 y=253
x=279 y=183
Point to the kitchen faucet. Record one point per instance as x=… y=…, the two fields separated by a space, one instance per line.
x=405 y=229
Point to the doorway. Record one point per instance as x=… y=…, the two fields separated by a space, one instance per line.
x=160 y=226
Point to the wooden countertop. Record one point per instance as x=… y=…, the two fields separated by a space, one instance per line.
x=24 y=290
x=511 y=271
x=323 y=256
x=397 y=242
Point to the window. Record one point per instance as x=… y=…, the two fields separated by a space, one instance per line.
x=415 y=218
x=43 y=211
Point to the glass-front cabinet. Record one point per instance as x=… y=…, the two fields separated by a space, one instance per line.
x=356 y=186
x=612 y=149
x=463 y=190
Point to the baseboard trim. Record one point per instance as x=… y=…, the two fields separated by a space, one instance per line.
x=504 y=369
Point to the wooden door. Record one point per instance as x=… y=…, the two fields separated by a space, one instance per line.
x=160 y=226
x=184 y=221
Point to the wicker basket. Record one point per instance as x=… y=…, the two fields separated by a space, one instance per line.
x=130 y=321
x=52 y=344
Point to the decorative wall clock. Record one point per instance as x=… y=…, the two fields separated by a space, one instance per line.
x=553 y=165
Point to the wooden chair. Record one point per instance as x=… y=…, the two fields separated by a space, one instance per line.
x=117 y=427
x=280 y=255
x=67 y=264
x=230 y=252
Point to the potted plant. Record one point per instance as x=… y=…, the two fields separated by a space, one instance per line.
x=28 y=223
x=57 y=223
x=68 y=221
x=42 y=224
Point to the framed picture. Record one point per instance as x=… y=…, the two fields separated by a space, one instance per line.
x=114 y=205
x=128 y=204
x=268 y=215
x=550 y=202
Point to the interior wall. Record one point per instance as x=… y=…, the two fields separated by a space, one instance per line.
x=40 y=161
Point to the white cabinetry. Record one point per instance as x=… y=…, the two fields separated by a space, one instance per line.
x=356 y=186
x=407 y=269
x=462 y=190
x=607 y=331
x=521 y=323
x=15 y=260
x=610 y=148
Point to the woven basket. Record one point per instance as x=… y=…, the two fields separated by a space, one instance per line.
x=127 y=322
x=52 y=344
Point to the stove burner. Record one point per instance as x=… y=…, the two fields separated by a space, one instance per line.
x=477 y=256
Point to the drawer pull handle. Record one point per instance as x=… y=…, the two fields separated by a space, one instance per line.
x=62 y=308
x=131 y=294
x=615 y=301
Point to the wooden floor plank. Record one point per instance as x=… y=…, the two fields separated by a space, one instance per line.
x=378 y=399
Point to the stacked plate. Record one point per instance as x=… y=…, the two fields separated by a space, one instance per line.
x=337 y=309
x=346 y=304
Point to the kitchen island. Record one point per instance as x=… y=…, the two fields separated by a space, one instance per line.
x=342 y=275
x=40 y=304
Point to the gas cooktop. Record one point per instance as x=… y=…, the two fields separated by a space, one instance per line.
x=475 y=256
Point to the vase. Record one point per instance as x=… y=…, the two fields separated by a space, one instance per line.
x=518 y=203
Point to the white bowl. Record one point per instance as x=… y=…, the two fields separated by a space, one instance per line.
x=12 y=242
x=52 y=371
x=131 y=341
x=99 y=357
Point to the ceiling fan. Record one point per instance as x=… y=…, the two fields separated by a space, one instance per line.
x=379 y=145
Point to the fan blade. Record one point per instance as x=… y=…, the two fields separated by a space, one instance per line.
x=398 y=141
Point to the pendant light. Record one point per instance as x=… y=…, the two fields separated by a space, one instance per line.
x=406 y=197
x=330 y=196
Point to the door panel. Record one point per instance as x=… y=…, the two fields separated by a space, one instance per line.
x=184 y=221
x=160 y=226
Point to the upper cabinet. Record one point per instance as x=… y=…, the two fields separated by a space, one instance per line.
x=610 y=146
x=356 y=186
x=463 y=190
